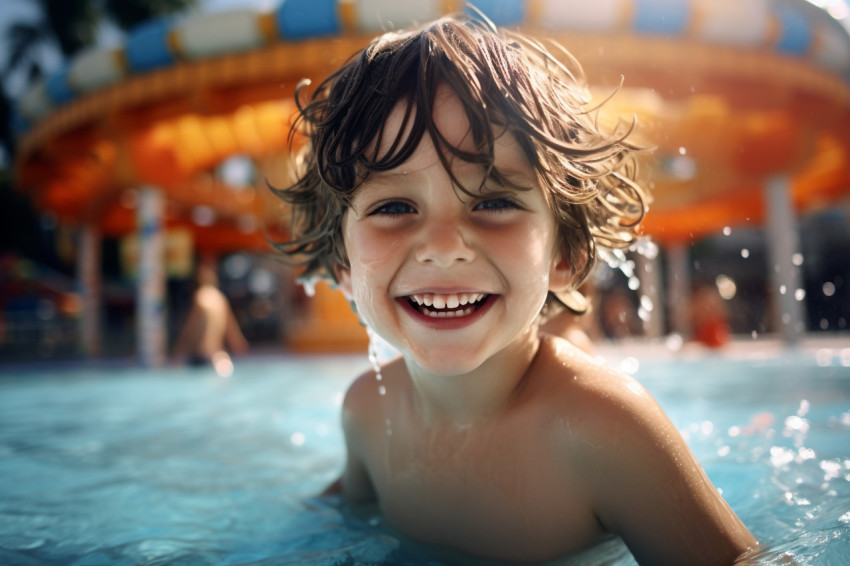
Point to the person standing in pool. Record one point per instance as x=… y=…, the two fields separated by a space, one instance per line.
x=210 y=327
x=456 y=187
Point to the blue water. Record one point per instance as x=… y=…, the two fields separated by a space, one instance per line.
x=123 y=466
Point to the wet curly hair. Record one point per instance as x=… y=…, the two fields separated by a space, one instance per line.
x=506 y=82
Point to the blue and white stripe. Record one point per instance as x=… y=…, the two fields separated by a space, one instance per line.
x=792 y=28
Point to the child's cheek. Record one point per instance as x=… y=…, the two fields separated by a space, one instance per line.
x=371 y=255
x=370 y=247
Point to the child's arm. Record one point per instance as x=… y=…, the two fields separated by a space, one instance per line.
x=236 y=341
x=649 y=488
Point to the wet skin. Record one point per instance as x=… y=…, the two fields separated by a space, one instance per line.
x=486 y=437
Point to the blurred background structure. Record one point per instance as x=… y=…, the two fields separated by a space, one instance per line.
x=139 y=135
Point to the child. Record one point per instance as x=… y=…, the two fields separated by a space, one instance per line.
x=455 y=187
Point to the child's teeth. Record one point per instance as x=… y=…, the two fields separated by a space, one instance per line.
x=449 y=302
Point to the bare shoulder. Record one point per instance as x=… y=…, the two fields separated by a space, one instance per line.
x=370 y=391
x=601 y=406
x=639 y=473
x=582 y=386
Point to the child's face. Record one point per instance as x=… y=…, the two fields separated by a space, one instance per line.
x=448 y=279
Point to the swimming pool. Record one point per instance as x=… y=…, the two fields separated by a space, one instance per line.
x=117 y=465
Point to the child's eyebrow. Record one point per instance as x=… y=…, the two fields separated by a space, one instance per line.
x=381 y=177
x=509 y=179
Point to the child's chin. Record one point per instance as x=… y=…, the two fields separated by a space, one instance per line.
x=446 y=366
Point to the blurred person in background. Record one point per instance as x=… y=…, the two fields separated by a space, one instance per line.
x=210 y=325
x=709 y=317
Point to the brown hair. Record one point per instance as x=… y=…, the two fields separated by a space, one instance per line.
x=505 y=82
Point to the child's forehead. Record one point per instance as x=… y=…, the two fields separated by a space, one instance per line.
x=450 y=118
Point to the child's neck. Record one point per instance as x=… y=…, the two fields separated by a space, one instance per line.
x=462 y=400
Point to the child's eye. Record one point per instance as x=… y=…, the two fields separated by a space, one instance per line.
x=393 y=208
x=497 y=204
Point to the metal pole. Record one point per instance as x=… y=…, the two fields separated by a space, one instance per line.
x=784 y=276
x=150 y=303
x=651 y=309
x=89 y=283
x=679 y=290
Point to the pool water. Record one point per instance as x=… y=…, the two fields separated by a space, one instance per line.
x=116 y=465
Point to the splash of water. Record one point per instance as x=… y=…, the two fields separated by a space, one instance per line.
x=374 y=355
x=616 y=259
x=374 y=360
x=309 y=284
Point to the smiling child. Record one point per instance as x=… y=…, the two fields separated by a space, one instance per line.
x=456 y=187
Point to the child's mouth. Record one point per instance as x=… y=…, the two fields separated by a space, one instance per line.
x=455 y=305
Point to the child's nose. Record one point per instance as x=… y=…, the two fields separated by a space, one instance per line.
x=444 y=244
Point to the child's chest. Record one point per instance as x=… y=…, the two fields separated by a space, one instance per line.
x=498 y=491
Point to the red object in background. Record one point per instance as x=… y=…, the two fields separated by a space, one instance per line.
x=713 y=333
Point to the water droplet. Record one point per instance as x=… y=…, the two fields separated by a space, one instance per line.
x=823 y=357
x=645 y=247
x=806 y=454
x=309 y=286
x=829 y=288
x=796 y=424
x=382 y=390
x=297 y=438
x=800 y=294
x=674 y=342
x=629 y=365
x=782 y=289
x=682 y=150
x=726 y=286
x=745 y=253
x=797 y=259
x=727 y=230
x=780 y=456
x=373 y=357
x=754 y=334
x=831 y=468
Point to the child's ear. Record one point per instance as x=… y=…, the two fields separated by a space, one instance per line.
x=343 y=277
x=561 y=274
